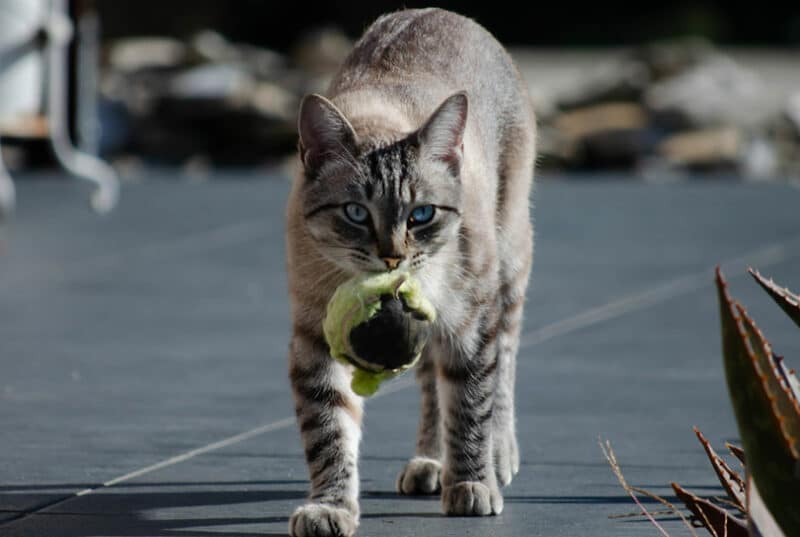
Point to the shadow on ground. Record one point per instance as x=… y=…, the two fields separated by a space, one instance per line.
x=124 y=511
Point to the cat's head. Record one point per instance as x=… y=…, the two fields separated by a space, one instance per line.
x=372 y=206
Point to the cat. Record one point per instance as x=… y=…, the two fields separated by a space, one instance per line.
x=420 y=157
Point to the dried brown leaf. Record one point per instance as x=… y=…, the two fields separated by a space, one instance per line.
x=718 y=521
x=737 y=452
x=731 y=481
x=611 y=457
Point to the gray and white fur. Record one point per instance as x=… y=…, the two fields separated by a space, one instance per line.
x=428 y=109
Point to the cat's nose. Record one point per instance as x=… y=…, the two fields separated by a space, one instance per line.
x=392 y=262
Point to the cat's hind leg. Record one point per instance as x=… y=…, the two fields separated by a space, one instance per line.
x=467 y=378
x=504 y=431
x=421 y=475
x=515 y=252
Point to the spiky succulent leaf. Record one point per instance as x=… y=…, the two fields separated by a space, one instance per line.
x=788 y=376
x=768 y=419
x=788 y=301
x=760 y=521
x=785 y=408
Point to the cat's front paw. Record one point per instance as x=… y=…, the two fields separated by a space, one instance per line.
x=506 y=457
x=321 y=520
x=420 y=476
x=471 y=498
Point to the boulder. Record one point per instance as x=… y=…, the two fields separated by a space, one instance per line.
x=715 y=92
x=703 y=149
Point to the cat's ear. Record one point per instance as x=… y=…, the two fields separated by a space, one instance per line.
x=442 y=137
x=324 y=132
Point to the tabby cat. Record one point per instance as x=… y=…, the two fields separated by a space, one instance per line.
x=419 y=158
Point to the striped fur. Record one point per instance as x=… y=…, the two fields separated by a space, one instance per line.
x=428 y=109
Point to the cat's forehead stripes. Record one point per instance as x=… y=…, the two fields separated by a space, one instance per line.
x=389 y=167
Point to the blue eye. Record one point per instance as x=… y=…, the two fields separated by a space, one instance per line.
x=356 y=213
x=421 y=215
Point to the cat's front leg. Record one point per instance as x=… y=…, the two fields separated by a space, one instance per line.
x=329 y=417
x=466 y=382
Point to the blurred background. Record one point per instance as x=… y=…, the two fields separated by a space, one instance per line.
x=657 y=89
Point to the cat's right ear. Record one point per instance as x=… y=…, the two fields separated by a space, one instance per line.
x=324 y=132
x=442 y=136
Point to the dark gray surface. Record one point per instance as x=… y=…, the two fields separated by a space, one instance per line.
x=127 y=340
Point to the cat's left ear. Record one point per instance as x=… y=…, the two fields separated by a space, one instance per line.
x=324 y=132
x=442 y=137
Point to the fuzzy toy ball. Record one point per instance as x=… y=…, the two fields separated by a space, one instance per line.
x=379 y=323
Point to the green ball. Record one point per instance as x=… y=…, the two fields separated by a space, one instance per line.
x=379 y=323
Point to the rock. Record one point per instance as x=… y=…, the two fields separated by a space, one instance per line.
x=138 y=53
x=784 y=133
x=272 y=100
x=614 y=149
x=628 y=78
x=232 y=103
x=212 y=47
x=582 y=122
x=712 y=93
x=703 y=149
x=623 y=81
x=229 y=82
x=227 y=132
x=792 y=113
x=604 y=135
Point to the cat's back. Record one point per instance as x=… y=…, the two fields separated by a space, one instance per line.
x=420 y=56
x=414 y=42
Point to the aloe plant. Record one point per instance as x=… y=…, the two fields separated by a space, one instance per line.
x=766 y=406
x=766 y=402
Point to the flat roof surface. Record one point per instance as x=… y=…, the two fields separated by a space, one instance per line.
x=143 y=383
